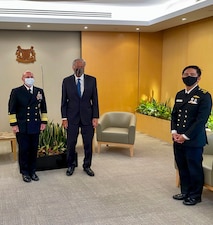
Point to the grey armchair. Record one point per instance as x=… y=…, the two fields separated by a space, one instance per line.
x=208 y=162
x=118 y=129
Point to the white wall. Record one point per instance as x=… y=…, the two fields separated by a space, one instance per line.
x=55 y=52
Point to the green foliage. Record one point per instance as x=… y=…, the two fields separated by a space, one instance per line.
x=163 y=111
x=52 y=141
x=210 y=121
x=154 y=108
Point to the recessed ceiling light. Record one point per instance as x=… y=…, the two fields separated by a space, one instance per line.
x=85 y=28
x=28 y=26
x=183 y=19
x=137 y=28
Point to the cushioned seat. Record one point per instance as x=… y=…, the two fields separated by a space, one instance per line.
x=116 y=128
x=208 y=162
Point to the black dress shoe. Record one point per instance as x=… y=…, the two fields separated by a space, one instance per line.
x=89 y=172
x=26 y=178
x=34 y=177
x=179 y=196
x=70 y=170
x=191 y=201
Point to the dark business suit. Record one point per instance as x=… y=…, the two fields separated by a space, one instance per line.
x=27 y=111
x=79 y=112
x=189 y=117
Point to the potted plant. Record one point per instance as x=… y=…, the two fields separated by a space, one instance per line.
x=153 y=118
x=52 y=147
x=154 y=108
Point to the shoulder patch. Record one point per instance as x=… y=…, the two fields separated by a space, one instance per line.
x=203 y=90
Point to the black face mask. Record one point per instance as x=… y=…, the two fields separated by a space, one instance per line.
x=79 y=72
x=189 y=81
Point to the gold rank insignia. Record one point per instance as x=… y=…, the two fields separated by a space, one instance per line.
x=196 y=96
x=203 y=90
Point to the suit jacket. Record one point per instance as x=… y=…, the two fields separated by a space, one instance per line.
x=76 y=108
x=190 y=114
x=27 y=110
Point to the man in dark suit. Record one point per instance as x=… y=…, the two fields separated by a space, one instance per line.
x=27 y=116
x=189 y=116
x=79 y=109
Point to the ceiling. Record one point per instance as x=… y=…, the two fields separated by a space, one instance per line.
x=101 y=15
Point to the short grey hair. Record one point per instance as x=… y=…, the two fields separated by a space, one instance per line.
x=78 y=60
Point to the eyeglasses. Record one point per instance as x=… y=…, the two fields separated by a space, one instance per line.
x=189 y=74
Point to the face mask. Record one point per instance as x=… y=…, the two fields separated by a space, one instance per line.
x=29 y=81
x=189 y=81
x=79 y=72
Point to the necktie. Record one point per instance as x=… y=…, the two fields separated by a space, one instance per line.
x=79 y=87
x=30 y=91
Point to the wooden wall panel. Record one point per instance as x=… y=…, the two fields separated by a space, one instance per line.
x=190 y=44
x=127 y=67
x=150 y=65
x=175 y=56
x=113 y=59
x=200 y=50
x=131 y=66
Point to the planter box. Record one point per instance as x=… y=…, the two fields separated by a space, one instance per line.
x=51 y=162
x=155 y=127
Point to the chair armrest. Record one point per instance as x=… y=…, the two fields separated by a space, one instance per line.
x=132 y=121
x=208 y=148
x=132 y=128
x=102 y=124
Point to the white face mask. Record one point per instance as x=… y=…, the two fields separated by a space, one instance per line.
x=29 y=81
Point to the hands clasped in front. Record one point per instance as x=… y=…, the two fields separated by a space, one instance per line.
x=178 y=138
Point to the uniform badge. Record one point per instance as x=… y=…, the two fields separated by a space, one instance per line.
x=39 y=96
x=196 y=96
x=193 y=100
x=179 y=100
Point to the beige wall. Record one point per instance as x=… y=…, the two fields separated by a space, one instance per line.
x=55 y=52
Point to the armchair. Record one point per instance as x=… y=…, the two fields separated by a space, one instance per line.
x=118 y=129
x=208 y=162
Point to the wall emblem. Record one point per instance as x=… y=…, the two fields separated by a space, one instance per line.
x=25 y=55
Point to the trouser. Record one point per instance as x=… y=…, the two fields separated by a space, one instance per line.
x=189 y=163
x=87 y=132
x=28 y=147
